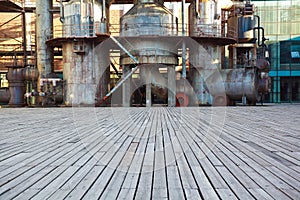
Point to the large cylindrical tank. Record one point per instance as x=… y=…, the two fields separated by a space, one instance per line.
x=244 y=23
x=85 y=64
x=238 y=83
x=245 y=27
x=204 y=18
x=149 y=18
x=85 y=18
x=78 y=19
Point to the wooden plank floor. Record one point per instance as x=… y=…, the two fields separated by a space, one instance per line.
x=157 y=153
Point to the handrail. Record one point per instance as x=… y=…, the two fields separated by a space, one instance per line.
x=214 y=30
x=75 y=30
x=27 y=4
x=154 y=29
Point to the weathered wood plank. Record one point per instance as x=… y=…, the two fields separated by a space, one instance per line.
x=150 y=153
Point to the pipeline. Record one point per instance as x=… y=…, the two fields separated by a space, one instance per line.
x=62 y=12
x=122 y=80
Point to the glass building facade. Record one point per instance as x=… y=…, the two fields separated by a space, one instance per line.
x=281 y=22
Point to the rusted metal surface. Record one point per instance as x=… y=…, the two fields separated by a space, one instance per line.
x=4 y=95
x=44 y=25
x=133 y=1
x=15 y=77
x=31 y=74
x=85 y=18
x=207 y=26
x=84 y=73
x=149 y=19
x=237 y=83
x=85 y=64
x=140 y=31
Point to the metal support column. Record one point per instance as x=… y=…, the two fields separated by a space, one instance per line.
x=127 y=86
x=148 y=94
x=44 y=26
x=171 y=86
x=147 y=76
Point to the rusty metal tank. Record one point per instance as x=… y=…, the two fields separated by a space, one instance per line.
x=238 y=83
x=149 y=18
x=85 y=17
x=15 y=77
x=243 y=19
x=204 y=18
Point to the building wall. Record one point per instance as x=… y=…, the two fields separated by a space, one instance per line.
x=281 y=21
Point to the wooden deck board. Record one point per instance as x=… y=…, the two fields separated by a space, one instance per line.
x=156 y=153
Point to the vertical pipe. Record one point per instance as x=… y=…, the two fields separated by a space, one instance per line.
x=197 y=7
x=183 y=43
x=44 y=26
x=182 y=16
x=24 y=37
x=103 y=11
x=146 y=76
x=62 y=12
x=148 y=94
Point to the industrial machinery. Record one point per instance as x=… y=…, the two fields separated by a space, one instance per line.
x=51 y=92
x=244 y=77
x=85 y=70
x=23 y=89
x=147 y=29
x=223 y=48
